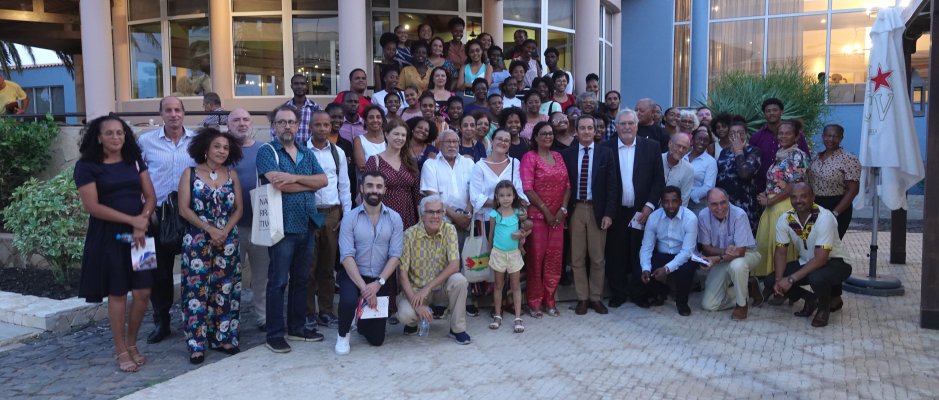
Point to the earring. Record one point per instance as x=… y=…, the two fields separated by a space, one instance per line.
x=99 y=141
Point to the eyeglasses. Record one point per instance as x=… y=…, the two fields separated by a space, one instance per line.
x=551 y=133
x=433 y=212
x=450 y=141
x=502 y=140
x=283 y=123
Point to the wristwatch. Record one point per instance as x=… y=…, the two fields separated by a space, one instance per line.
x=790 y=280
x=564 y=210
x=381 y=281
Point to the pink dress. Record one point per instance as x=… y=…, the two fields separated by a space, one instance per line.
x=545 y=245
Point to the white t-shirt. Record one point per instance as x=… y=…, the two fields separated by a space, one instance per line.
x=822 y=233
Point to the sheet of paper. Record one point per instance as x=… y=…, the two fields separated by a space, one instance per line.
x=634 y=223
x=380 y=312
x=699 y=258
x=143 y=258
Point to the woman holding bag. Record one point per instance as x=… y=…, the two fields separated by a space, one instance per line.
x=111 y=178
x=210 y=200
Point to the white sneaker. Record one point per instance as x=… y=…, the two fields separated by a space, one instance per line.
x=342 y=344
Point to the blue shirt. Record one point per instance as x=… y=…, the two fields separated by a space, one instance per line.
x=167 y=160
x=504 y=228
x=371 y=246
x=676 y=236
x=299 y=207
x=734 y=230
x=247 y=172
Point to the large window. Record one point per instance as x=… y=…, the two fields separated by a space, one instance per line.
x=829 y=39
x=46 y=99
x=259 y=56
x=316 y=51
x=681 y=57
x=606 y=50
x=550 y=26
x=185 y=26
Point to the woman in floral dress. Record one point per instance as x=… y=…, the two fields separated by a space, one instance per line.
x=210 y=200
x=789 y=168
x=544 y=179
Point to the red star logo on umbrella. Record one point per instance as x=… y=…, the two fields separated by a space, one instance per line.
x=881 y=79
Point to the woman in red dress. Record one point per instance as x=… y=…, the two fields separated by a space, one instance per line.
x=402 y=177
x=544 y=180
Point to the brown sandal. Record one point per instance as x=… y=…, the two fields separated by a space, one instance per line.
x=125 y=363
x=136 y=356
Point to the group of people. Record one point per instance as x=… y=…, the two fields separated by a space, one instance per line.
x=378 y=204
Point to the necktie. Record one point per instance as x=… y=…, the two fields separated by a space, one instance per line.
x=584 y=167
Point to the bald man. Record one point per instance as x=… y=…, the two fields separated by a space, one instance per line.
x=648 y=128
x=255 y=270
x=165 y=151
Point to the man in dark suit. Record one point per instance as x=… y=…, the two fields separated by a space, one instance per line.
x=638 y=165
x=593 y=206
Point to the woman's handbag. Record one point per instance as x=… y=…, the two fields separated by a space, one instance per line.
x=267 y=221
x=475 y=257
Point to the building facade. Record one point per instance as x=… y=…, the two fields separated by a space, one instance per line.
x=247 y=50
x=705 y=38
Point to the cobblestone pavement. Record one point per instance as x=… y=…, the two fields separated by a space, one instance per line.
x=873 y=348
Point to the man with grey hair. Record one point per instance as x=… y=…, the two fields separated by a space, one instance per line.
x=647 y=127
x=725 y=239
x=678 y=171
x=448 y=176
x=639 y=169
x=239 y=124
x=430 y=261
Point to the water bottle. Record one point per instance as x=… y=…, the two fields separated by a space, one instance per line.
x=425 y=328
x=125 y=237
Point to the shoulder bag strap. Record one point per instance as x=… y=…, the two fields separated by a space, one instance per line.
x=332 y=149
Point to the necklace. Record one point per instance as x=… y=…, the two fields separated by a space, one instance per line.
x=213 y=175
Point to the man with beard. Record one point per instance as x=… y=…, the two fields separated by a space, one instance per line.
x=671 y=236
x=678 y=171
x=294 y=171
x=370 y=243
x=821 y=265
x=165 y=151
x=239 y=124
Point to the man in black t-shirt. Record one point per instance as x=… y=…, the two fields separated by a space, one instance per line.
x=647 y=126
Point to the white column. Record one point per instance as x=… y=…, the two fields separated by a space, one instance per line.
x=121 y=53
x=96 y=34
x=492 y=20
x=353 y=48
x=221 y=52
x=586 y=40
x=617 y=52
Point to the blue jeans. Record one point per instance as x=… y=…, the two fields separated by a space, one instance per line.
x=290 y=263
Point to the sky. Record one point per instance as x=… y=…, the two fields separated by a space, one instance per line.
x=43 y=56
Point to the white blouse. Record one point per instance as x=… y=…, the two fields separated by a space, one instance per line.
x=483 y=183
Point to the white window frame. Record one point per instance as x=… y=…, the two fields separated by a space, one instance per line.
x=543 y=27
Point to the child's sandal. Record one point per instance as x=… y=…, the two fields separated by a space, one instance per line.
x=519 y=328
x=496 y=322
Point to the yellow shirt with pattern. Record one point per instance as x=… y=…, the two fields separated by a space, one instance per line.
x=424 y=256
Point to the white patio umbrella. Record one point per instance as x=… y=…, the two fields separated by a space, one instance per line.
x=890 y=154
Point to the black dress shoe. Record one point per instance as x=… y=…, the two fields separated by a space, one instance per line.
x=683 y=309
x=615 y=302
x=821 y=318
x=158 y=334
x=230 y=350
x=836 y=304
x=641 y=303
x=808 y=309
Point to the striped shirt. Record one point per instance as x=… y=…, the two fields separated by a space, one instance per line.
x=423 y=257
x=167 y=160
x=306 y=115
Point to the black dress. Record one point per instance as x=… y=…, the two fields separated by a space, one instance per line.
x=106 y=267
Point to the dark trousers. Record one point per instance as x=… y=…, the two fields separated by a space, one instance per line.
x=822 y=281
x=622 y=254
x=372 y=329
x=682 y=278
x=161 y=296
x=844 y=221
x=289 y=271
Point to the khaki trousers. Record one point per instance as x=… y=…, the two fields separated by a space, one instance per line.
x=587 y=239
x=718 y=295
x=454 y=291
x=321 y=288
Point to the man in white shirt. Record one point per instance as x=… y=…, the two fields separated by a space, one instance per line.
x=670 y=238
x=678 y=171
x=821 y=264
x=448 y=175
x=551 y=56
x=331 y=201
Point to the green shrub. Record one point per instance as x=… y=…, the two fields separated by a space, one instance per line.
x=740 y=93
x=24 y=152
x=47 y=218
